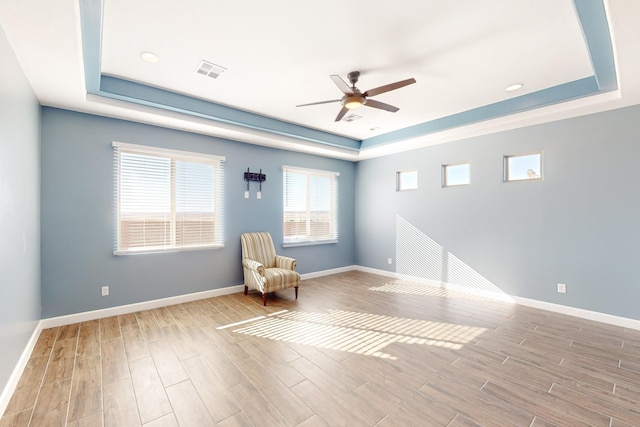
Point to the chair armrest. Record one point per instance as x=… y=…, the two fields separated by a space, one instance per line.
x=286 y=262
x=253 y=265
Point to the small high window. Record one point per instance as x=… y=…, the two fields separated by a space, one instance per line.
x=407 y=180
x=525 y=167
x=456 y=174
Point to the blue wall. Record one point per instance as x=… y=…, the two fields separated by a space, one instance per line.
x=78 y=207
x=19 y=211
x=579 y=226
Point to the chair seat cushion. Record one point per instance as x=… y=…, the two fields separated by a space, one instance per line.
x=279 y=278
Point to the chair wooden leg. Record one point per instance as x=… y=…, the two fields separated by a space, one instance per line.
x=296 y=292
x=246 y=289
x=264 y=299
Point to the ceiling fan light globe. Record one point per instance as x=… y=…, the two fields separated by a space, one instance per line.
x=353 y=102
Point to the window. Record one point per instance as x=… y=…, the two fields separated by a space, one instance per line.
x=310 y=206
x=166 y=200
x=406 y=180
x=456 y=174
x=523 y=167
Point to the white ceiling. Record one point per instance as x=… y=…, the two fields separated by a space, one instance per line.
x=280 y=53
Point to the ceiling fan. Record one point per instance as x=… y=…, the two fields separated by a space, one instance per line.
x=353 y=98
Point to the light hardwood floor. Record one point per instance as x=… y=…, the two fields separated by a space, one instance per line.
x=355 y=349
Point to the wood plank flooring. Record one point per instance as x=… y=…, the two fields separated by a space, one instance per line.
x=355 y=349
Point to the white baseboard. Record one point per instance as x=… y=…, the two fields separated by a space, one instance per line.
x=610 y=319
x=317 y=274
x=376 y=271
x=52 y=322
x=556 y=308
x=12 y=383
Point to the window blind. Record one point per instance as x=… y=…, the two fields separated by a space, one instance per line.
x=310 y=206
x=167 y=199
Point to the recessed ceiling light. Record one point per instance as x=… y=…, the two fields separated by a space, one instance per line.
x=149 y=56
x=514 y=86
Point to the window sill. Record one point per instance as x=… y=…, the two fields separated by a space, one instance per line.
x=309 y=243
x=167 y=250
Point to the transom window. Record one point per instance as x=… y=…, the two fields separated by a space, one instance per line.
x=166 y=200
x=523 y=167
x=310 y=206
x=406 y=180
x=456 y=174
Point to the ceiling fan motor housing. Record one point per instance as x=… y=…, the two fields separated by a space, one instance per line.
x=353 y=77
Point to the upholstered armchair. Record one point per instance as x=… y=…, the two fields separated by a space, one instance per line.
x=263 y=269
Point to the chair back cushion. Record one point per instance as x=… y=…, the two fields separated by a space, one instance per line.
x=259 y=247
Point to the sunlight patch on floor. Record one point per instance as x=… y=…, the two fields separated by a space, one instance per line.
x=431 y=289
x=360 y=333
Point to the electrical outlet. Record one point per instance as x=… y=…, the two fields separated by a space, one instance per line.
x=259 y=195
x=105 y=291
x=246 y=194
x=389 y=260
x=562 y=288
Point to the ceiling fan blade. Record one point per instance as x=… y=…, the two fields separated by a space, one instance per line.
x=381 y=105
x=342 y=85
x=318 y=103
x=389 y=87
x=341 y=114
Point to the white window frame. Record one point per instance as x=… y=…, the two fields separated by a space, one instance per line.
x=399 y=180
x=506 y=173
x=173 y=155
x=445 y=168
x=307 y=239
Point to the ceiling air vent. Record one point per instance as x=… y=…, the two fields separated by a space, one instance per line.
x=352 y=118
x=210 y=70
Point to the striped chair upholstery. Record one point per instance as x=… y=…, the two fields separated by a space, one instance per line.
x=263 y=269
